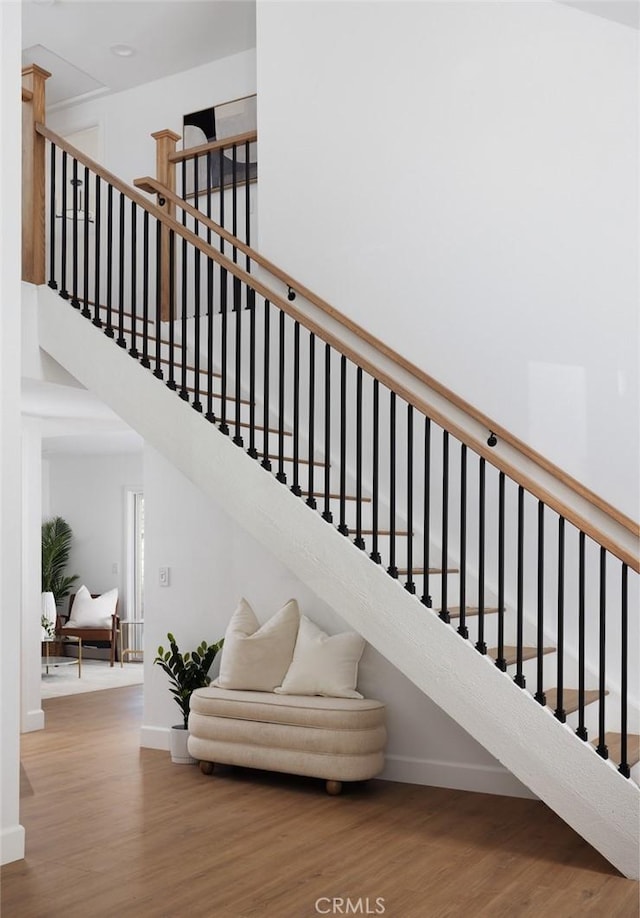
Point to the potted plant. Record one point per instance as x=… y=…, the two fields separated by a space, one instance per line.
x=187 y=672
x=56 y=549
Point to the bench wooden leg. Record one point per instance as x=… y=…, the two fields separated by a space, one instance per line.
x=206 y=768
x=334 y=787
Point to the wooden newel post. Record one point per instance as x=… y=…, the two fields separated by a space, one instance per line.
x=166 y=173
x=33 y=175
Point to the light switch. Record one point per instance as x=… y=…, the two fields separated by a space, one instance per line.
x=164 y=576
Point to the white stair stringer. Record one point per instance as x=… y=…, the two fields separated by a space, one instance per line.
x=546 y=756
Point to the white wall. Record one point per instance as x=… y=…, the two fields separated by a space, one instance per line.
x=213 y=562
x=11 y=832
x=127 y=119
x=462 y=180
x=89 y=492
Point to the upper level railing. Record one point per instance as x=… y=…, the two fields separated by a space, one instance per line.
x=440 y=509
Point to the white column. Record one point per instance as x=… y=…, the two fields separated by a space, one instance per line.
x=11 y=832
x=32 y=715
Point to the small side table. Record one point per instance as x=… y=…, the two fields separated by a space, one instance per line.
x=54 y=662
x=129 y=634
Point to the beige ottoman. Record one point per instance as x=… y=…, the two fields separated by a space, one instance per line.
x=337 y=739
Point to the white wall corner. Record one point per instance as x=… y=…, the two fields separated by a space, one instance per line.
x=12 y=841
x=154 y=737
x=33 y=720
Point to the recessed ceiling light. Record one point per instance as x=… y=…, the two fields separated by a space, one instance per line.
x=122 y=50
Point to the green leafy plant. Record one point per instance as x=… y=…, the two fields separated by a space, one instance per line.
x=56 y=548
x=187 y=671
x=48 y=626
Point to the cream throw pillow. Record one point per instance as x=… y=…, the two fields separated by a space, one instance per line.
x=323 y=664
x=256 y=658
x=92 y=613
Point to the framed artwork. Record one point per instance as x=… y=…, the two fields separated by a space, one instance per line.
x=219 y=123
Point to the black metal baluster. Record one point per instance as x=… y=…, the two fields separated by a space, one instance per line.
x=410 y=586
x=86 y=312
x=210 y=415
x=121 y=341
x=75 y=182
x=184 y=391
x=196 y=404
x=602 y=627
x=326 y=513
x=237 y=308
x=251 y=300
x=295 y=487
x=158 y=368
x=281 y=477
x=145 y=292
x=221 y=162
x=52 y=220
x=426 y=548
x=444 y=609
x=311 y=500
x=64 y=293
x=171 y=383
x=359 y=541
x=223 y=352
x=97 y=321
x=342 y=527
x=560 y=712
x=624 y=767
x=392 y=570
x=481 y=645
x=519 y=678
x=234 y=197
x=247 y=205
x=109 y=332
x=582 y=730
x=375 y=554
x=266 y=463
x=540 y=696
x=133 y=350
x=463 y=631
x=501 y=662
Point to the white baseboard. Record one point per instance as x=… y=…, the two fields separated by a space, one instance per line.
x=11 y=844
x=32 y=721
x=486 y=779
x=154 y=737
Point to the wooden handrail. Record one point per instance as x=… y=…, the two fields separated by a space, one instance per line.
x=333 y=341
x=152 y=186
x=192 y=152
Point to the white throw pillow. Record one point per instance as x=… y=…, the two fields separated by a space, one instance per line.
x=92 y=613
x=256 y=658
x=323 y=664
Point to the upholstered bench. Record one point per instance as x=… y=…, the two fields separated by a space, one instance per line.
x=336 y=739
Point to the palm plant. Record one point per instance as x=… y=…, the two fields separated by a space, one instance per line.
x=187 y=672
x=56 y=548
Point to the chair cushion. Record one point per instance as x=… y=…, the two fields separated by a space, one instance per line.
x=302 y=710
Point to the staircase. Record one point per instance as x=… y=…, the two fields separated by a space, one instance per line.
x=503 y=603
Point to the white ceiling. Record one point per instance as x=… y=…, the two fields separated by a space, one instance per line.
x=72 y=39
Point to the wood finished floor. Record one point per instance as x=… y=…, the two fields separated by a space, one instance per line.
x=113 y=830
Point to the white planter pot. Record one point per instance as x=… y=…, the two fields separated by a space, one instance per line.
x=178 y=745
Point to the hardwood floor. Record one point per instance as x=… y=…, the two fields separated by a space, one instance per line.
x=113 y=830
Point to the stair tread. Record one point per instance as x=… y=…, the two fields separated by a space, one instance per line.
x=430 y=570
x=613 y=742
x=570 y=698
x=454 y=611
x=511 y=653
x=381 y=532
x=364 y=500
x=192 y=369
